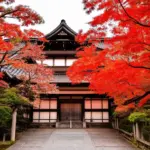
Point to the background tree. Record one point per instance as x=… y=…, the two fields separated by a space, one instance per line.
x=122 y=69
x=36 y=80
x=10 y=101
x=5 y=120
x=19 y=50
x=16 y=47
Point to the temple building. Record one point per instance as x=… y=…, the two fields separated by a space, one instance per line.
x=72 y=105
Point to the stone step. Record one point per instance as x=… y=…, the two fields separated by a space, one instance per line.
x=43 y=125
x=68 y=124
x=98 y=125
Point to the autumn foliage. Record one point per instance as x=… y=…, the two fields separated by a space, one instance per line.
x=19 y=49
x=122 y=69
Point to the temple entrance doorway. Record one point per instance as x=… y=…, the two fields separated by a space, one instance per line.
x=71 y=112
x=71 y=115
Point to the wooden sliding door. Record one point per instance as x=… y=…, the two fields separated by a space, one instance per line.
x=71 y=111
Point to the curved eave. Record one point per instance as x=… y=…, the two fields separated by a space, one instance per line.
x=62 y=25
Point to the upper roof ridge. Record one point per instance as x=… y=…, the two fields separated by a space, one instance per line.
x=63 y=21
x=62 y=25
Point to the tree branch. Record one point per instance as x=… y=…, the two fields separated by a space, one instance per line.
x=2 y=59
x=7 y=13
x=134 y=20
x=136 y=99
x=139 y=67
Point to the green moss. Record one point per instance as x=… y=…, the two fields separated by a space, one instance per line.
x=5 y=145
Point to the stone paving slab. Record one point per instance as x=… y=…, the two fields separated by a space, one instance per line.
x=33 y=139
x=66 y=139
x=108 y=139
x=115 y=148
x=72 y=139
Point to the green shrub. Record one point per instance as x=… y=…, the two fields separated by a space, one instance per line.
x=5 y=116
x=137 y=116
x=5 y=121
x=22 y=122
x=9 y=99
x=147 y=112
x=146 y=132
x=12 y=97
x=125 y=125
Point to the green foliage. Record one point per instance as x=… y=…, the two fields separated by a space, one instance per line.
x=148 y=112
x=115 y=114
x=12 y=97
x=137 y=116
x=5 y=116
x=125 y=125
x=147 y=106
x=26 y=90
x=146 y=132
x=22 y=121
x=9 y=99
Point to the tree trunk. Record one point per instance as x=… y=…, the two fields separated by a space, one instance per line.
x=13 y=127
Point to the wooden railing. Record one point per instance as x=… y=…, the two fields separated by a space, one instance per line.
x=136 y=136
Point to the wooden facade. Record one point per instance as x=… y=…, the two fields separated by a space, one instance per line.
x=73 y=103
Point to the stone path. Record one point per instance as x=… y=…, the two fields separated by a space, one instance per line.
x=108 y=139
x=71 y=139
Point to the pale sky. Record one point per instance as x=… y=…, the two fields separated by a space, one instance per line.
x=53 y=11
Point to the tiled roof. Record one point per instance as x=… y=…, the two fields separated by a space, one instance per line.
x=12 y=72
x=63 y=25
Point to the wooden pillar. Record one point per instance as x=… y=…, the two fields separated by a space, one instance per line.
x=70 y=124
x=13 y=127
x=31 y=114
x=113 y=123
x=4 y=137
x=117 y=123
x=134 y=130
x=138 y=131
x=141 y=124
x=84 y=124
x=57 y=124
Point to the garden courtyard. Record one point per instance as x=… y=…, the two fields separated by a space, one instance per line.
x=72 y=139
x=69 y=66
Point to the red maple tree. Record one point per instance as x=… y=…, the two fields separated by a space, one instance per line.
x=18 y=47
x=122 y=69
x=38 y=77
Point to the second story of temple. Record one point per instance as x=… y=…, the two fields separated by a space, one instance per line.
x=60 y=50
